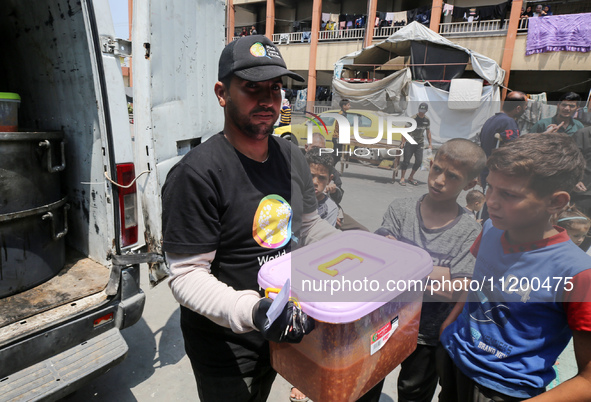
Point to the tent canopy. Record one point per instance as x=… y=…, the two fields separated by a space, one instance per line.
x=399 y=44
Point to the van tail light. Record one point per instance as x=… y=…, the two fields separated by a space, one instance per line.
x=127 y=203
x=103 y=320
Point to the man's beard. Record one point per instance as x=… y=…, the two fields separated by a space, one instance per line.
x=256 y=131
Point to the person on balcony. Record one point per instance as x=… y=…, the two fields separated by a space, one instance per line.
x=526 y=12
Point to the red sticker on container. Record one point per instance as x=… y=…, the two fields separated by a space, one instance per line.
x=379 y=338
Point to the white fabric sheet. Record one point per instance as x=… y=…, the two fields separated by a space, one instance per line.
x=383 y=95
x=464 y=94
x=447 y=123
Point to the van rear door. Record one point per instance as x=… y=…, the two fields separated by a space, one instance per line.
x=177 y=44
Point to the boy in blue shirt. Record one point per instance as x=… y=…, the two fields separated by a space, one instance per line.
x=529 y=291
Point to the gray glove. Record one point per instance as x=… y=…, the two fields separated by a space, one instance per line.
x=291 y=325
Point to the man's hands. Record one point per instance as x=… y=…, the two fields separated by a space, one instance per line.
x=291 y=325
x=553 y=128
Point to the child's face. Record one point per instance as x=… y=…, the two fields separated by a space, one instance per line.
x=320 y=177
x=447 y=180
x=513 y=206
x=577 y=232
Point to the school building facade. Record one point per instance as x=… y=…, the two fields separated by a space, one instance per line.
x=313 y=34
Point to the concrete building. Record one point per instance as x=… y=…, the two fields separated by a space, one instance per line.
x=289 y=23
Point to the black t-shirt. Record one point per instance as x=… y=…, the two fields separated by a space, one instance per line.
x=216 y=198
x=423 y=123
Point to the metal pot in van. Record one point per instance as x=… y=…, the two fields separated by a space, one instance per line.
x=32 y=246
x=30 y=166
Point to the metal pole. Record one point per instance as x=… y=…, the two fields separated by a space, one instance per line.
x=270 y=22
x=372 y=6
x=230 y=17
x=510 y=42
x=316 y=13
x=436 y=10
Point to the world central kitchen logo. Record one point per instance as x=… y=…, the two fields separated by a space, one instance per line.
x=394 y=124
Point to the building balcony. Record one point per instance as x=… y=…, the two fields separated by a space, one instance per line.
x=450 y=29
x=485 y=37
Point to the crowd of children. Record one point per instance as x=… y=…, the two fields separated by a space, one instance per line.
x=499 y=342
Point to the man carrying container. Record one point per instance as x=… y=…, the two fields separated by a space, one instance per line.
x=239 y=199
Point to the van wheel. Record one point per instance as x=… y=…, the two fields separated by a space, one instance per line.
x=290 y=137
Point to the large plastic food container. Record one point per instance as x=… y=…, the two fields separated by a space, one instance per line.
x=9 y=103
x=360 y=336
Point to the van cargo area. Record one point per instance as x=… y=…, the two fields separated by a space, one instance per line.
x=70 y=83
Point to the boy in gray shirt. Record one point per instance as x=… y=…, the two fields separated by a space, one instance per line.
x=439 y=225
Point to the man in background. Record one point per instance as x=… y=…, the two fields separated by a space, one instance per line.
x=562 y=121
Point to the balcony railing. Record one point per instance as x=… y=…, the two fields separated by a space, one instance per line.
x=385 y=32
x=305 y=37
x=479 y=28
x=342 y=34
x=471 y=28
x=523 y=24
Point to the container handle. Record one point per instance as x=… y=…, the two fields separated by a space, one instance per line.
x=50 y=168
x=271 y=290
x=277 y=290
x=49 y=215
x=333 y=272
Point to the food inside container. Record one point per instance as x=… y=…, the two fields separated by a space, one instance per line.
x=360 y=335
x=9 y=104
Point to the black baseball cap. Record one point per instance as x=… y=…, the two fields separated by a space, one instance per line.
x=423 y=107
x=253 y=58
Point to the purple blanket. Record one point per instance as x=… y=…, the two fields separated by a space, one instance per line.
x=571 y=32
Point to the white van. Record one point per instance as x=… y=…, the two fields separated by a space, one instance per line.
x=80 y=219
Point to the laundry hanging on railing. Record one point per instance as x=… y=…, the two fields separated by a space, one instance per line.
x=360 y=22
x=284 y=38
x=333 y=22
x=301 y=97
x=400 y=16
x=421 y=15
x=323 y=93
x=556 y=33
x=448 y=9
x=480 y=13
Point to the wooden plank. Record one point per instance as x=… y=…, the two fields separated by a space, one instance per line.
x=383 y=144
x=79 y=278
